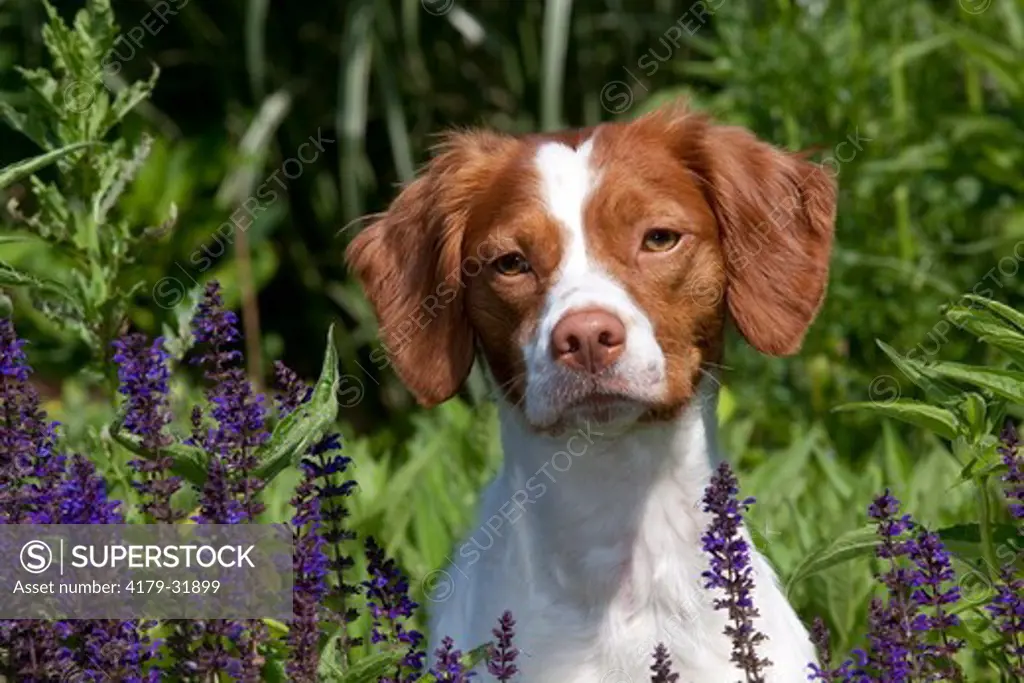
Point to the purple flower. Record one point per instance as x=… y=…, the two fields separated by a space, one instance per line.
x=239 y=414
x=310 y=585
x=1007 y=612
x=35 y=488
x=731 y=571
x=388 y=600
x=236 y=429
x=144 y=376
x=824 y=672
x=1014 y=477
x=202 y=649
x=216 y=653
x=251 y=645
x=32 y=650
x=934 y=588
x=892 y=642
x=217 y=328
x=325 y=467
x=502 y=654
x=30 y=465
x=82 y=497
x=107 y=649
x=1007 y=607
x=916 y=610
x=662 y=667
x=294 y=392
x=448 y=665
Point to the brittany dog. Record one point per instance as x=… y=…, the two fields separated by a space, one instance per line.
x=593 y=272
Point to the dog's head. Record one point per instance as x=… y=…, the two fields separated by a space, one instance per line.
x=594 y=270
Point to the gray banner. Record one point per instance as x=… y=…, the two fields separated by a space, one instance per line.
x=145 y=571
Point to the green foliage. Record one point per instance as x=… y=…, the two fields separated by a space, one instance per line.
x=69 y=113
x=966 y=404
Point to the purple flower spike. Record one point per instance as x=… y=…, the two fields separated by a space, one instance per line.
x=1014 y=477
x=448 y=666
x=294 y=392
x=144 y=376
x=230 y=495
x=325 y=466
x=83 y=496
x=1007 y=612
x=824 y=672
x=731 y=571
x=39 y=485
x=502 y=654
x=662 y=667
x=892 y=641
x=903 y=628
x=387 y=593
x=111 y=649
x=217 y=328
x=31 y=467
x=310 y=571
x=934 y=588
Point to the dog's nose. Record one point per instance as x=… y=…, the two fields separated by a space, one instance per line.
x=588 y=340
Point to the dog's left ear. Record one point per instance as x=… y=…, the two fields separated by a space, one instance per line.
x=776 y=213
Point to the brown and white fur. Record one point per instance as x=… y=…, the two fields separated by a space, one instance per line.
x=593 y=272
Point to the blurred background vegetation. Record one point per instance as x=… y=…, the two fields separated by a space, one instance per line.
x=917 y=105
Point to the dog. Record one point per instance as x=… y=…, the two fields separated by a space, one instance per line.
x=594 y=271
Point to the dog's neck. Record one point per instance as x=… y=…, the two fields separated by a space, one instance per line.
x=595 y=497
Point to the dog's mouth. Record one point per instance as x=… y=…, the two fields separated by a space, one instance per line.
x=602 y=406
x=609 y=398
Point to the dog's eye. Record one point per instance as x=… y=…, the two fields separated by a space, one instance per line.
x=660 y=239
x=511 y=264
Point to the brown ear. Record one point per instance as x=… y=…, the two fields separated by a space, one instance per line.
x=409 y=264
x=776 y=213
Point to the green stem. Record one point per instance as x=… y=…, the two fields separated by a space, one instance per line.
x=988 y=547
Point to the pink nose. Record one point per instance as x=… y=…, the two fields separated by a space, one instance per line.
x=588 y=340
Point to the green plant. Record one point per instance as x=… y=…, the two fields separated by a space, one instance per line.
x=68 y=112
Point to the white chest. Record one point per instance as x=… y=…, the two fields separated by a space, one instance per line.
x=599 y=559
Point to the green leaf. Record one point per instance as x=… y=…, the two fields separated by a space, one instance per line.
x=1010 y=344
x=919 y=373
x=16 y=171
x=978 y=322
x=189 y=462
x=936 y=419
x=296 y=433
x=1008 y=384
x=964 y=541
x=849 y=546
x=475 y=656
x=974 y=411
x=1000 y=309
x=274 y=672
x=374 y=667
x=12 y=277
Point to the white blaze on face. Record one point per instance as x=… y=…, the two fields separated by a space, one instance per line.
x=567 y=179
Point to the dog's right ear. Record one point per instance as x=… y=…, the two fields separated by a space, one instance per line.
x=409 y=263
